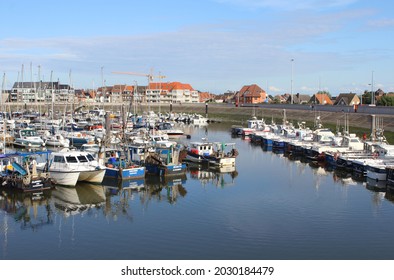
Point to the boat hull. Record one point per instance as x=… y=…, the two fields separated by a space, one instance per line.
x=165 y=170
x=65 y=178
x=125 y=173
x=92 y=176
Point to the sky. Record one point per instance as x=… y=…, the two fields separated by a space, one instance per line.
x=283 y=46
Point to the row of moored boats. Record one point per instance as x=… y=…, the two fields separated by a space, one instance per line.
x=363 y=158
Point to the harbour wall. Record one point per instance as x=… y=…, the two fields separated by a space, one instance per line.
x=333 y=115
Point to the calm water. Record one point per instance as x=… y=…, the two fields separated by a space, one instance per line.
x=270 y=208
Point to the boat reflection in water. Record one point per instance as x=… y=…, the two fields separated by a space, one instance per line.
x=219 y=177
x=31 y=209
x=116 y=187
x=376 y=185
x=164 y=188
x=120 y=193
x=78 y=199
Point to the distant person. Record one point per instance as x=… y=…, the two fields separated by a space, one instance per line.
x=112 y=159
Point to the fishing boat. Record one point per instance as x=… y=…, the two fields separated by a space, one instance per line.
x=67 y=167
x=212 y=153
x=253 y=125
x=19 y=171
x=119 y=168
x=164 y=161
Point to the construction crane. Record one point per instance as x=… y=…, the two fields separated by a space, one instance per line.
x=150 y=77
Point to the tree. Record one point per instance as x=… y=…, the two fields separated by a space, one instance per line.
x=367 y=97
x=386 y=101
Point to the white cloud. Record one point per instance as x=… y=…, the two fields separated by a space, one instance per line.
x=274 y=89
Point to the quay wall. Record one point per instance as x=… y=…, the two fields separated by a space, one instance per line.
x=224 y=112
x=238 y=115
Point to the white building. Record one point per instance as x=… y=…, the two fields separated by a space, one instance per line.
x=171 y=92
x=27 y=92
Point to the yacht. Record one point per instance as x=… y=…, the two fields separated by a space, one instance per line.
x=28 y=138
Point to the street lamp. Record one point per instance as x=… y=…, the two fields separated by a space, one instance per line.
x=291 y=82
x=372 y=93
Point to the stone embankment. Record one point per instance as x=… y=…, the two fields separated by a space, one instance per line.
x=228 y=113
x=239 y=115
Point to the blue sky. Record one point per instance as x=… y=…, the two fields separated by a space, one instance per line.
x=214 y=45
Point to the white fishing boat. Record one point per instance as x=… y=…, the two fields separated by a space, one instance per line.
x=69 y=167
x=254 y=124
x=212 y=153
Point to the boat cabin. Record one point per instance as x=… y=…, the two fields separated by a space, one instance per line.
x=201 y=148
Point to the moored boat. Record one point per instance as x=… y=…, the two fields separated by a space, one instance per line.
x=68 y=167
x=19 y=171
x=164 y=161
x=28 y=138
x=213 y=153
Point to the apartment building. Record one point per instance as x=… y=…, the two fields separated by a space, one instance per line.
x=171 y=92
x=27 y=92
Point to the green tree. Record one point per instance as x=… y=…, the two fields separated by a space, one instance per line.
x=367 y=97
x=386 y=101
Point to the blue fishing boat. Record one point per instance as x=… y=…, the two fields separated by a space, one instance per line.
x=164 y=161
x=117 y=167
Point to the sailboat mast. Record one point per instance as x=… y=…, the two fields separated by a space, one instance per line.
x=3 y=113
x=52 y=95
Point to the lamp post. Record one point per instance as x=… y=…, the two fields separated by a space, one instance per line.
x=372 y=93
x=291 y=82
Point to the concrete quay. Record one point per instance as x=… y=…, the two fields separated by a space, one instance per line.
x=329 y=115
x=228 y=113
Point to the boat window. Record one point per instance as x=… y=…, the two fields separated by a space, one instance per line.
x=82 y=159
x=58 y=159
x=90 y=157
x=71 y=159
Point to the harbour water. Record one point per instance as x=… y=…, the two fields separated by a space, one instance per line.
x=270 y=207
